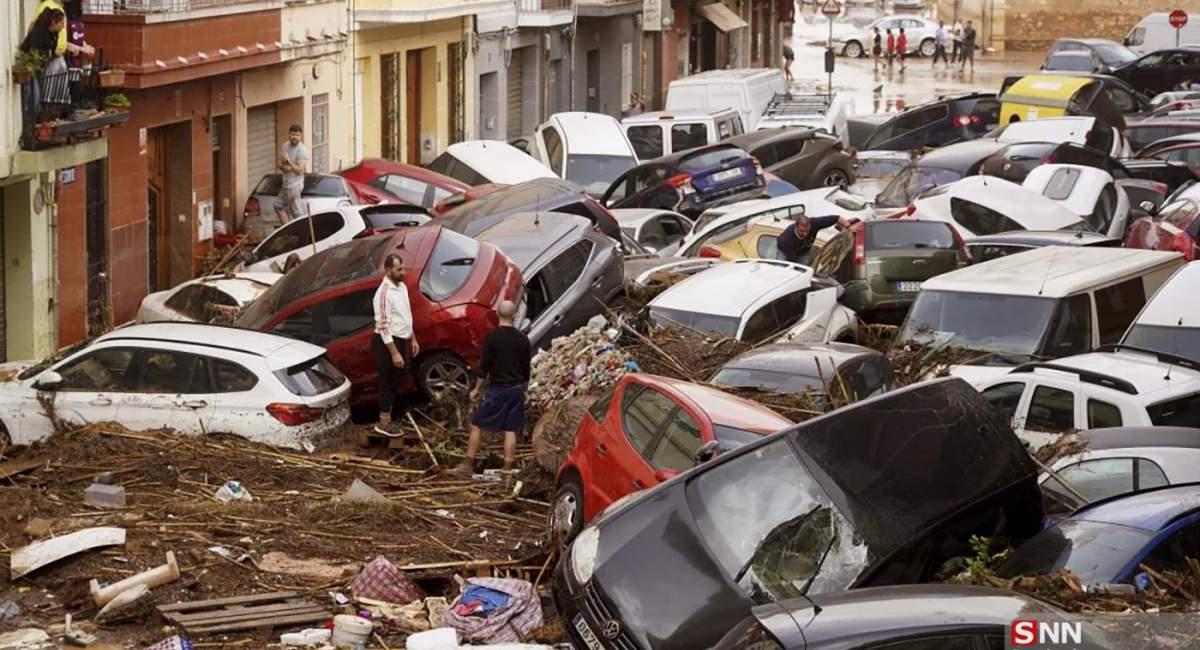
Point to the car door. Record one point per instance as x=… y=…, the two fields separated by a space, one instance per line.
x=674 y=450
x=343 y=325
x=237 y=405
x=93 y=382
x=622 y=463
x=675 y=229
x=173 y=389
x=1170 y=551
x=1007 y=398
x=571 y=301
x=647 y=140
x=1051 y=410
x=1094 y=479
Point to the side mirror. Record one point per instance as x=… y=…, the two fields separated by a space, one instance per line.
x=1148 y=206
x=525 y=325
x=665 y=475
x=48 y=381
x=707 y=451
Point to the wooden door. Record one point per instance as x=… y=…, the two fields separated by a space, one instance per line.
x=157 y=221
x=412 y=105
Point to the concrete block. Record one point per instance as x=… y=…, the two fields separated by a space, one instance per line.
x=104 y=496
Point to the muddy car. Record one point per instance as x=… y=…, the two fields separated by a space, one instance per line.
x=880 y=492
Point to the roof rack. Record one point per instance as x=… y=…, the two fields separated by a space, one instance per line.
x=1190 y=364
x=789 y=103
x=1088 y=376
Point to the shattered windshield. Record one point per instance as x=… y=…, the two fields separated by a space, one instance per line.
x=912 y=182
x=1006 y=325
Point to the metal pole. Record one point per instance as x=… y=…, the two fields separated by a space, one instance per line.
x=829 y=48
x=1177 y=30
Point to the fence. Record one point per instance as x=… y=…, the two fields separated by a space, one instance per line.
x=155 y=6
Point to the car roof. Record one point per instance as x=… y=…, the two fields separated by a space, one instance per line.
x=684 y=115
x=543 y=193
x=280 y=352
x=726 y=74
x=591 y=133
x=754 y=138
x=1008 y=198
x=1153 y=379
x=1175 y=300
x=384 y=166
x=499 y=162
x=740 y=284
x=1044 y=238
x=799 y=358
x=723 y=408
x=1124 y=437
x=1150 y=510
x=527 y=237
x=1053 y=271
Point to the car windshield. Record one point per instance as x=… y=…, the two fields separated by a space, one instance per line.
x=1114 y=54
x=1180 y=412
x=311 y=378
x=1095 y=552
x=773 y=380
x=883 y=235
x=314 y=185
x=880 y=167
x=449 y=266
x=595 y=172
x=911 y=182
x=1174 y=340
x=706 y=323
x=1014 y=325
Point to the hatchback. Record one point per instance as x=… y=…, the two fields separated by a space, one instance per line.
x=1162 y=71
x=849 y=371
x=805 y=158
x=216 y=298
x=938 y=123
x=689 y=182
x=408 y=183
x=307 y=236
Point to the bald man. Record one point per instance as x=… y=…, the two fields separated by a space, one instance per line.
x=503 y=375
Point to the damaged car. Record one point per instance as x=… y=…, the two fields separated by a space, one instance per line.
x=851 y=372
x=216 y=298
x=829 y=505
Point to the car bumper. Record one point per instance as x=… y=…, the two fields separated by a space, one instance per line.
x=581 y=608
x=694 y=204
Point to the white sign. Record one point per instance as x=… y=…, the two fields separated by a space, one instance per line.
x=652 y=15
x=204 y=221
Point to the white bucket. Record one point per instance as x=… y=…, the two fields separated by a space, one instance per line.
x=348 y=630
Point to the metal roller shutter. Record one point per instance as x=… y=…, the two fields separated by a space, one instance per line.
x=515 y=103
x=262 y=150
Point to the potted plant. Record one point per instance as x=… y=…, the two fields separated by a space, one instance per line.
x=117 y=102
x=27 y=65
x=112 y=78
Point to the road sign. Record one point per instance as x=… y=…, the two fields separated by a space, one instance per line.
x=831 y=8
x=1178 y=18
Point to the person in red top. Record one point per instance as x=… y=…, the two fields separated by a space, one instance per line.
x=901 y=47
x=891 y=47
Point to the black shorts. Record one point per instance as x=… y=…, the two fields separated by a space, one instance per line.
x=877 y=50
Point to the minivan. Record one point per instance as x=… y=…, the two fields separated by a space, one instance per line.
x=1154 y=32
x=662 y=133
x=588 y=149
x=746 y=90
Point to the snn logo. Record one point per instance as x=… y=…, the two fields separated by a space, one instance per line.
x=1028 y=632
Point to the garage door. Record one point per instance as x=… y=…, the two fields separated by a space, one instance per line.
x=262 y=150
x=515 y=74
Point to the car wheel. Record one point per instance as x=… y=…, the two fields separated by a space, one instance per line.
x=441 y=375
x=835 y=177
x=928 y=47
x=566 y=516
x=853 y=49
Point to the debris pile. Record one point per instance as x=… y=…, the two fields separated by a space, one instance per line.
x=1164 y=592
x=582 y=363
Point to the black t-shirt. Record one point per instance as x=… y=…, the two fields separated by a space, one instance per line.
x=792 y=248
x=506 y=354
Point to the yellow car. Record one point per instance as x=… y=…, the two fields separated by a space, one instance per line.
x=756 y=240
x=1039 y=96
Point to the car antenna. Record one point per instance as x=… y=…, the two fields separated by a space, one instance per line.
x=1174 y=350
x=1046 y=276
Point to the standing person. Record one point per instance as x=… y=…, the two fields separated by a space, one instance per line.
x=393 y=346
x=795 y=243
x=968 y=46
x=63 y=45
x=902 y=49
x=788 y=57
x=49 y=90
x=291 y=165
x=939 y=45
x=503 y=375
x=876 y=47
x=76 y=36
x=956 y=34
x=891 y=47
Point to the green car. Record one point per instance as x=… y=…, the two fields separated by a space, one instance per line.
x=882 y=265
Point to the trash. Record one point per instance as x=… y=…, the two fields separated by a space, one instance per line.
x=312 y=636
x=437 y=608
x=382 y=580
x=349 y=630
x=121 y=603
x=339 y=598
x=504 y=622
x=159 y=575
x=14 y=467
x=173 y=643
x=101 y=495
x=277 y=562
x=476 y=600
x=232 y=491
x=440 y=639
x=360 y=492
x=105 y=478
x=38 y=554
x=9 y=609
x=584 y=361
x=29 y=638
x=77 y=638
x=38 y=527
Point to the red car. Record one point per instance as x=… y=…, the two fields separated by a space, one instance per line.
x=408 y=183
x=454 y=285
x=479 y=191
x=1176 y=227
x=641 y=433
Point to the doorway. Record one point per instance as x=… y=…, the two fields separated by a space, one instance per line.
x=412 y=106
x=159 y=269
x=99 y=317
x=593 y=81
x=222 y=164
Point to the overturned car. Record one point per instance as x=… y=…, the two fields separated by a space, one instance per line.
x=881 y=492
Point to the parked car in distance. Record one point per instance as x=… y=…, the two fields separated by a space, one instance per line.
x=477 y=162
x=1107 y=543
x=938 y=123
x=882 y=265
x=408 y=183
x=321 y=192
x=990 y=247
x=851 y=372
x=216 y=298
x=920 y=32
x=794 y=494
x=762 y=300
x=689 y=182
x=1106 y=55
x=662 y=133
x=746 y=90
x=643 y=431
x=873 y=170
x=803 y=157
x=1170 y=321
x=1175 y=227
x=659 y=231
x=936 y=168
x=327 y=301
x=323 y=230
x=543 y=194
x=588 y=149
x=571 y=271
x=1161 y=70
x=979 y=205
x=190 y=377
x=1154 y=32
x=1087 y=192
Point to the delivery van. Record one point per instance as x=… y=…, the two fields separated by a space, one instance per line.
x=1154 y=32
x=746 y=90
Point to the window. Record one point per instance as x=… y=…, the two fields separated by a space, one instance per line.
x=766 y=155
x=319 y=138
x=644 y=411
x=626 y=70
x=410 y=190
x=314 y=377
x=688 y=136
x=1051 y=410
x=985 y=252
x=1122 y=99
x=298 y=234
x=566 y=269
x=1061 y=184
x=1102 y=214
x=980 y=220
x=652 y=234
x=647 y=141
x=554 y=149
x=599 y=408
x=1182 y=412
x=106 y=369
x=231 y=377
x=674 y=229
x=908 y=234
x=1005 y=398
x=1106 y=477
x=775 y=317
x=1172 y=554
x=1071 y=330
x=1117 y=306
x=729 y=127
x=767 y=247
x=677 y=446
x=1102 y=414
x=449 y=266
x=349 y=313
x=170 y=372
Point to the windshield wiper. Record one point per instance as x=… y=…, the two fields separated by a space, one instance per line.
x=737 y=578
x=820 y=563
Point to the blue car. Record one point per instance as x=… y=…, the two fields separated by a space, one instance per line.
x=690 y=182
x=1107 y=541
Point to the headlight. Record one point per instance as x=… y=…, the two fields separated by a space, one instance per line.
x=583 y=554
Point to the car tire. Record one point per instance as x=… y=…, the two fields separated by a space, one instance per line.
x=834 y=176
x=853 y=49
x=928 y=47
x=443 y=374
x=566 y=512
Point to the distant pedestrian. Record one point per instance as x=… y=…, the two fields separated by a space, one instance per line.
x=939 y=45
x=902 y=48
x=789 y=56
x=292 y=166
x=503 y=376
x=876 y=47
x=968 y=46
x=891 y=47
x=393 y=346
x=956 y=34
x=636 y=106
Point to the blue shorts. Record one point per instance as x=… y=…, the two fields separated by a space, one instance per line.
x=502 y=409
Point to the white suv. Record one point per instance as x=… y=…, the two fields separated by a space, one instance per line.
x=1116 y=387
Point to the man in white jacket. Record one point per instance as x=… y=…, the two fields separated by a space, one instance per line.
x=393 y=346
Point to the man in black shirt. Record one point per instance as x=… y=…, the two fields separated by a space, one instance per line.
x=503 y=374
x=795 y=243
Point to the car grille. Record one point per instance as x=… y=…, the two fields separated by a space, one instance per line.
x=598 y=612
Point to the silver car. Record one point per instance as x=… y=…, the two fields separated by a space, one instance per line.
x=920 y=32
x=321 y=192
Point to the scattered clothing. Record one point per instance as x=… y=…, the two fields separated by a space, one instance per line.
x=173 y=643
x=382 y=580
x=507 y=623
x=478 y=600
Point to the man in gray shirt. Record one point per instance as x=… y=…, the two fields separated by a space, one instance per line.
x=291 y=164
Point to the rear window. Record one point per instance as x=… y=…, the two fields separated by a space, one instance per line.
x=1061 y=184
x=1182 y=412
x=911 y=182
x=329 y=186
x=908 y=234
x=311 y=378
x=980 y=220
x=449 y=266
x=394 y=217
x=710 y=158
x=199 y=301
x=706 y=323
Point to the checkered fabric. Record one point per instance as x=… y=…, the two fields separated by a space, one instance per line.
x=508 y=624
x=382 y=580
x=173 y=643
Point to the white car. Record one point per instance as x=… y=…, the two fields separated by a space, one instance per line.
x=321 y=192
x=985 y=205
x=204 y=299
x=1170 y=321
x=1087 y=192
x=658 y=231
x=310 y=235
x=1098 y=389
x=1076 y=129
x=920 y=32
x=588 y=149
x=756 y=301
x=477 y=162
x=188 y=377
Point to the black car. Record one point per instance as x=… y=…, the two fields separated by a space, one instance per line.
x=805 y=158
x=938 y=123
x=847 y=369
x=1162 y=71
x=531 y=196
x=1143 y=133
x=880 y=492
x=938 y=167
x=1107 y=55
x=690 y=182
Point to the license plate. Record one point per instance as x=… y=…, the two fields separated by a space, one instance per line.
x=908 y=287
x=585 y=633
x=726 y=175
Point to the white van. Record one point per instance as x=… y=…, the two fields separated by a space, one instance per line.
x=1170 y=323
x=1154 y=32
x=662 y=133
x=746 y=90
x=478 y=162
x=810 y=110
x=588 y=149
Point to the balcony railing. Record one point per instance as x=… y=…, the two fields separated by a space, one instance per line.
x=67 y=106
x=100 y=7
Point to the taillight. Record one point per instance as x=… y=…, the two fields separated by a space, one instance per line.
x=366 y=233
x=1049 y=159
x=910 y=210
x=294 y=414
x=252 y=207
x=966 y=120
x=961 y=245
x=1161 y=188
x=679 y=180
x=1184 y=244
x=709 y=251
x=860 y=246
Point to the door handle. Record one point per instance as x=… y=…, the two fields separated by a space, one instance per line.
x=597 y=280
x=602 y=449
x=193 y=404
x=558 y=319
x=638 y=485
x=101 y=401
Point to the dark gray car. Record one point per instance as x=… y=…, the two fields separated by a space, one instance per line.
x=846 y=369
x=803 y=157
x=571 y=270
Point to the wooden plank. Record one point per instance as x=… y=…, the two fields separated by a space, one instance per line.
x=254 y=625
x=38 y=554
x=242 y=615
x=14 y=467
x=233 y=600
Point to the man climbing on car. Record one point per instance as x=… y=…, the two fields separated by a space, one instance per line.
x=795 y=243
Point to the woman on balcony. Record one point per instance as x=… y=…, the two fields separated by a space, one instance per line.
x=50 y=88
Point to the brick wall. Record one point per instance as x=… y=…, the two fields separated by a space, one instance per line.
x=1033 y=24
